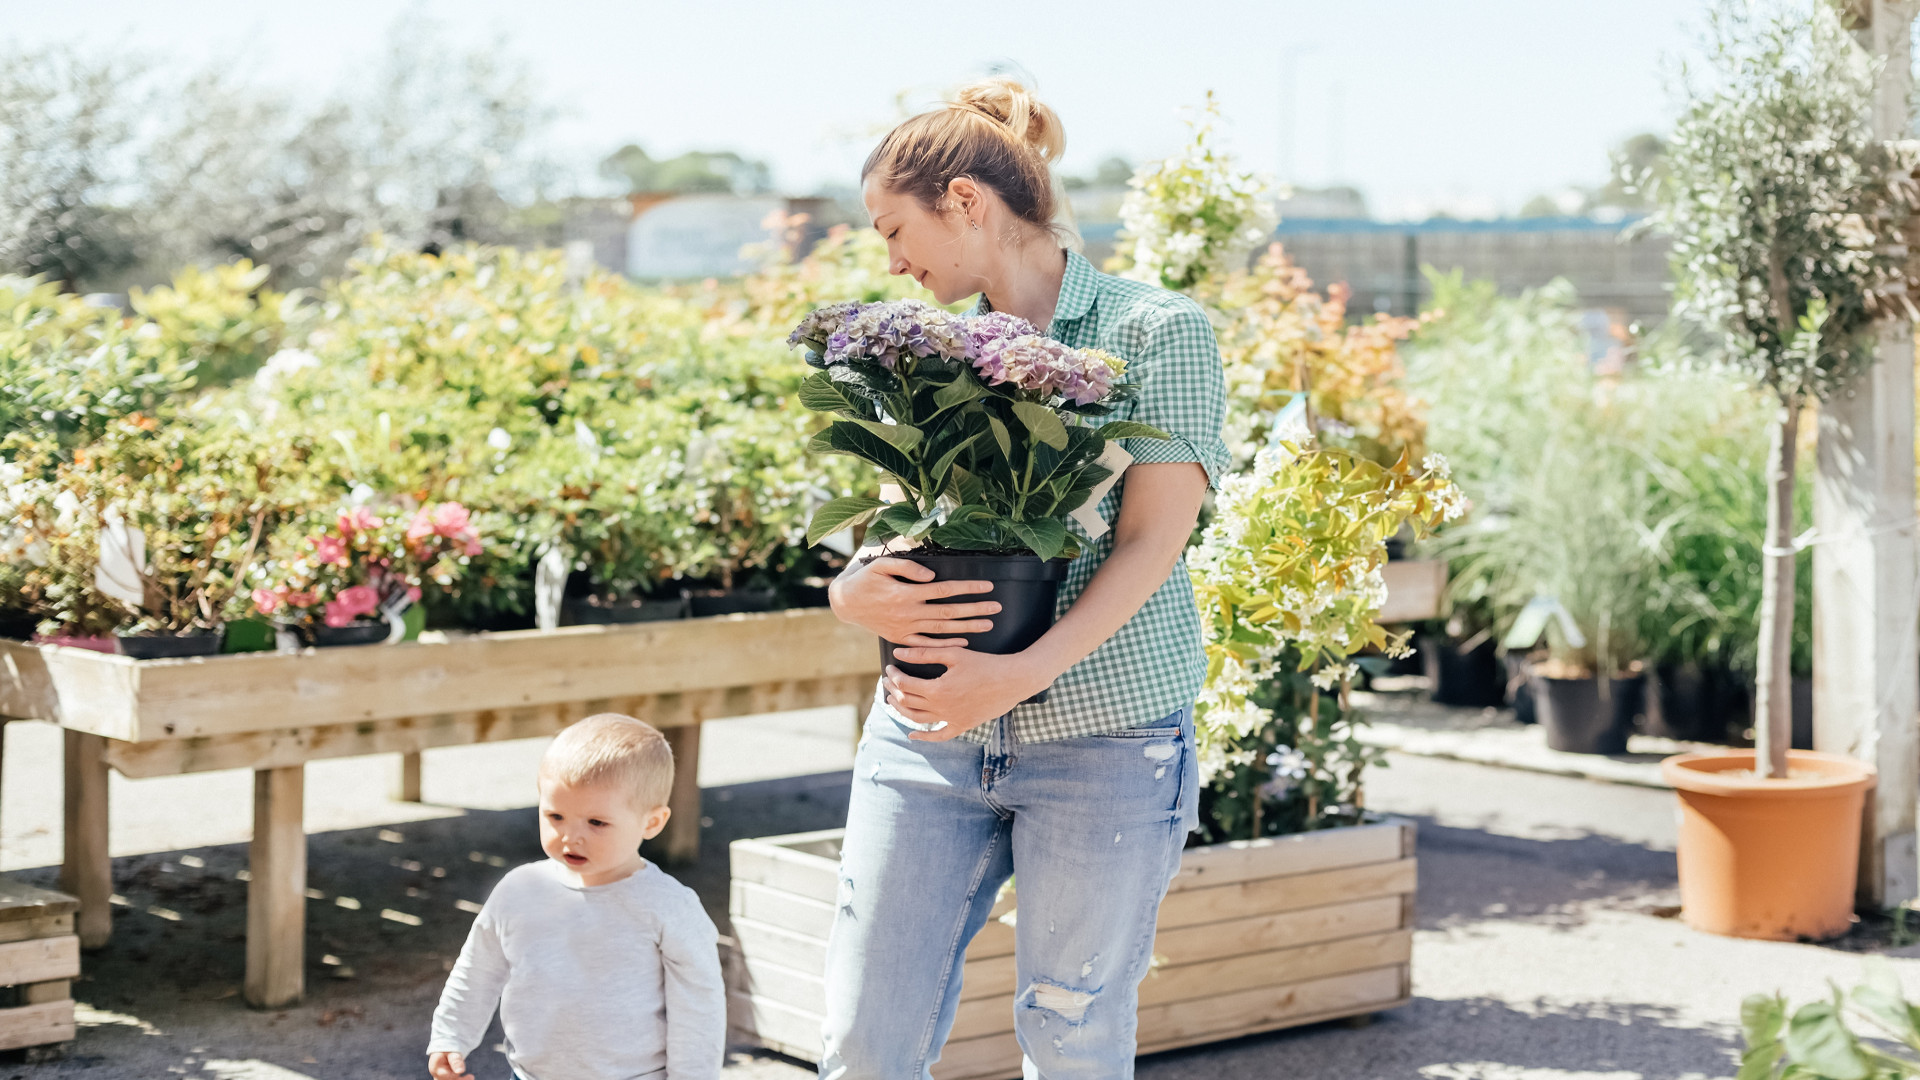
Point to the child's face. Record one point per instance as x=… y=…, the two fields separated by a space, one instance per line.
x=595 y=830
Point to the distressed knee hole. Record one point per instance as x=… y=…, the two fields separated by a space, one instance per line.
x=846 y=897
x=1063 y=1001
x=1161 y=751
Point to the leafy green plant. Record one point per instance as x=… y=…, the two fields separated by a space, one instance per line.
x=1191 y=217
x=1817 y=1041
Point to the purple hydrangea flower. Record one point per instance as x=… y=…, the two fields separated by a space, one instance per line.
x=1046 y=366
x=886 y=333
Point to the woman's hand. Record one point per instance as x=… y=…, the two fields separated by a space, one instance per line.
x=975 y=688
x=894 y=599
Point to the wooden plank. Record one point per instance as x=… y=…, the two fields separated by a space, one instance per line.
x=1262 y=1027
x=36 y=1025
x=806 y=991
x=680 y=842
x=44 y=926
x=759 y=942
x=44 y=992
x=281 y=747
x=1193 y=944
x=780 y=863
x=1264 y=895
x=788 y=1030
x=1301 y=853
x=799 y=914
x=86 y=870
x=1234 y=969
x=40 y=960
x=276 y=890
x=990 y=1057
x=1266 y=1008
x=408 y=789
x=1414 y=589
x=19 y=901
x=181 y=698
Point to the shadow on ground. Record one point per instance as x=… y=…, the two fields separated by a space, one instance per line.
x=1467 y=875
x=1474 y=1039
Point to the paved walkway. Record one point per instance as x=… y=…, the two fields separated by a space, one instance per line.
x=1546 y=950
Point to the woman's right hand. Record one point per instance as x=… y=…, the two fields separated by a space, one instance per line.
x=893 y=598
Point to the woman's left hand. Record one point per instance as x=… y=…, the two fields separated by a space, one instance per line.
x=975 y=688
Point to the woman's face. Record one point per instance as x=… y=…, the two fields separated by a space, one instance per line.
x=937 y=250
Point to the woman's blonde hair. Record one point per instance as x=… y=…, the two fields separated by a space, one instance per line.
x=993 y=132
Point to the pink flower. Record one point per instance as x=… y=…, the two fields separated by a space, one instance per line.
x=450 y=520
x=301 y=599
x=330 y=549
x=357 y=519
x=265 y=601
x=413 y=594
x=357 y=600
x=420 y=527
x=473 y=547
x=337 y=614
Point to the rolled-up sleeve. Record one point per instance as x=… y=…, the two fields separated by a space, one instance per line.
x=1183 y=392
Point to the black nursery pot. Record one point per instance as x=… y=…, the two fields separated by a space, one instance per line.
x=1578 y=722
x=592 y=611
x=1471 y=677
x=702 y=603
x=1025 y=587
x=167 y=646
x=361 y=632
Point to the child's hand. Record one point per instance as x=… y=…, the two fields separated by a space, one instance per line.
x=446 y=1066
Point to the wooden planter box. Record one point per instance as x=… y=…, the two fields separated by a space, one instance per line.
x=1253 y=936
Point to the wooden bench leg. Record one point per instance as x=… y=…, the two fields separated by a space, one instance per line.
x=409 y=790
x=276 y=893
x=680 y=843
x=86 y=871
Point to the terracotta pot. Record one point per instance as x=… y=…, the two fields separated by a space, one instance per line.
x=1771 y=859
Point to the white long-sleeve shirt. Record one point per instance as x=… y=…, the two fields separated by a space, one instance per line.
x=605 y=982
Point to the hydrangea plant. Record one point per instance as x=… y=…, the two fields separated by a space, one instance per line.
x=980 y=421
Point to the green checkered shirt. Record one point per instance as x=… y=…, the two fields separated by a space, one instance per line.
x=1154 y=664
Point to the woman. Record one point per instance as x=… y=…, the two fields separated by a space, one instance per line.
x=1087 y=797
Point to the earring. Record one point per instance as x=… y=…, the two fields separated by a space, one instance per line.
x=976 y=226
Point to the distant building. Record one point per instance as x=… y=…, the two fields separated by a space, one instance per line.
x=1382 y=261
x=698 y=236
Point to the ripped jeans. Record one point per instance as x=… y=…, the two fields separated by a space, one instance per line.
x=1091 y=827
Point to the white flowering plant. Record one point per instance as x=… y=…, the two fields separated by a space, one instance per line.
x=1192 y=217
x=1288 y=579
x=979 y=420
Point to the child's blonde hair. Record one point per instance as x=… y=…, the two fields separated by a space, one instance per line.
x=611 y=748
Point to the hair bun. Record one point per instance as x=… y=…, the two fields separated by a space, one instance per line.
x=1005 y=101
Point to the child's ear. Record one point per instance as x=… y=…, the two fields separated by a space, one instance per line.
x=655 y=821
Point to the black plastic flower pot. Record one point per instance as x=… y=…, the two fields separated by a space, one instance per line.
x=1470 y=677
x=595 y=611
x=167 y=646
x=1694 y=702
x=1026 y=588
x=1579 y=722
x=359 y=632
x=702 y=603
x=1519 y=675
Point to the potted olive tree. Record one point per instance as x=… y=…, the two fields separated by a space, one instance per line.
x=1788 y=222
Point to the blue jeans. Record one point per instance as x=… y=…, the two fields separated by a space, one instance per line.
x=1093 y=829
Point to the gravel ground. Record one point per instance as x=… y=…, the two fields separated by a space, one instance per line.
x=1547 y=949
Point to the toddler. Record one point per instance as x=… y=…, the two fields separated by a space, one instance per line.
x=602 y=966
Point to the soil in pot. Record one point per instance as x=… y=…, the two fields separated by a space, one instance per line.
x=196 y=642
x=1464 y=673
x=702 y=603
x=1770 y=859
x=1025 y=587
x=596 y=611
x=359 y=632
x=1579 y=721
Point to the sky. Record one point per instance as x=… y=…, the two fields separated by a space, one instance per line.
x=1464 y=106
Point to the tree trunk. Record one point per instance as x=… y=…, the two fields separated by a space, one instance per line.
x=1773 y=692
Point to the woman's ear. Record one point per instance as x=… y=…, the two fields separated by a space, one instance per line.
x=964 y=195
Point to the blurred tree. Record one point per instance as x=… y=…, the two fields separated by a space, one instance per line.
x=694 y=171
x=66 y=125
x=1638 y=166
x=1113 y=172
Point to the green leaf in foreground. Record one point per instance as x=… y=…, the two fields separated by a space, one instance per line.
x=839 y=514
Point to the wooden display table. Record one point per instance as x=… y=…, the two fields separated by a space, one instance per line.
x=39 y=959
x=273 y=712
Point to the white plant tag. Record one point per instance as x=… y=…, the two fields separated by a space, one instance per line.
x=121 y=571
x=549 y=585
x=1115 y=460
